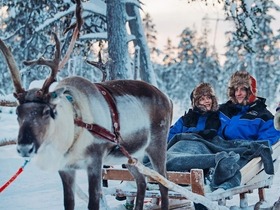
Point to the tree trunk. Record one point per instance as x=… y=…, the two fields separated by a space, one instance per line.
x=135 y=24
x=119 y=60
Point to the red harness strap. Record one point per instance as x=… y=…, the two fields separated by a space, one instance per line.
x=101 y=131
x=97 y=130
x=113 y=109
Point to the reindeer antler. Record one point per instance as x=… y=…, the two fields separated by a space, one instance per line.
x=79 y=23
x=14 y=71
x=55 y=63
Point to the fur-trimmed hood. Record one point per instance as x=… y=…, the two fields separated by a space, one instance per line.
x=204 y=89
x=242 y=78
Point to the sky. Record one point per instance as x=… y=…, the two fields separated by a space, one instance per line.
x=171 y=17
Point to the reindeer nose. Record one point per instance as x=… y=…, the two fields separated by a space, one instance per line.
x=26 y=150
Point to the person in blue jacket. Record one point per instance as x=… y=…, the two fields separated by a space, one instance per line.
x=245 y=116
x=202 y=118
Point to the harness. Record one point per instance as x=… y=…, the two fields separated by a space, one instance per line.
x=100 y=131
x=93 y=128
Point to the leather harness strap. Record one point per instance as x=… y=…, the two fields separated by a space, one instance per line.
x=100 y=131
x=97 y=130
x=113 y=109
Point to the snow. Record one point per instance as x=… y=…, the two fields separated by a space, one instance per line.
x=35 y=189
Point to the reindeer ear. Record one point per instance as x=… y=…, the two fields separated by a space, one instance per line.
x=56 y=95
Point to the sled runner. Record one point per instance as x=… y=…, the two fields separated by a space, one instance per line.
x=253 y=178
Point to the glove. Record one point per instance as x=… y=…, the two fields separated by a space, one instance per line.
x=207 y=134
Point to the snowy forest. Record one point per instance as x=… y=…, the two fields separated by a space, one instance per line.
x=117 y=40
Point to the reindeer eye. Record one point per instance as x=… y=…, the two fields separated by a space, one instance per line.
x=47 y=112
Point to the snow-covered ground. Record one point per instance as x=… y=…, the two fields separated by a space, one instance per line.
x=35 y=189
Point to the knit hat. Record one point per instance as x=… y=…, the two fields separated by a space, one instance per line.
x=204 y=89
x=242 y=78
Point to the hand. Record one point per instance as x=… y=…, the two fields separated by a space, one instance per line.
x=208 y=134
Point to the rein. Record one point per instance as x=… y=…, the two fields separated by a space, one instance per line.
x=13 y=177
x=100 y=131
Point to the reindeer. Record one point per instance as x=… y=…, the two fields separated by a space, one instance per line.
x=85 y=125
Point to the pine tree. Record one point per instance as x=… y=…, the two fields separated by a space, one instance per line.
x=151 y=35
x=261 y=60
x=179 y=77
x=170 y=53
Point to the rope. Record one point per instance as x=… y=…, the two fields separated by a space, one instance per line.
x=13 y=177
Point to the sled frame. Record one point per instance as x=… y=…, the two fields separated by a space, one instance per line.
x=253 y=178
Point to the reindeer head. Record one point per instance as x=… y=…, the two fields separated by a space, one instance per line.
x=37 y=107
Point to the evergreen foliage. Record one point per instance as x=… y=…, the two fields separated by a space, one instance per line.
x=252 y=46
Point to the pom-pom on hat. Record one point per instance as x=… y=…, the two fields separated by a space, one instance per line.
x=204 y=89
x=242 y=78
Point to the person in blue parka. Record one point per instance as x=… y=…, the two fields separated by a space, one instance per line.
x=245 y=116
x=202 y=118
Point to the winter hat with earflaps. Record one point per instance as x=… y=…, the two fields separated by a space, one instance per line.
x=204 y=89
x=242 y=78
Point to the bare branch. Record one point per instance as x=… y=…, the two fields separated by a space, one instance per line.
x=8 y=103
x=101 y=66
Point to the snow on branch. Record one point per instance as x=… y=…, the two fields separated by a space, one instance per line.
x=8 y=101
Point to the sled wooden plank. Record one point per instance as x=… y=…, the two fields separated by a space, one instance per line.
x=197 y=181
x=255 y=166
x=176 y=177
x=262 y=175
x=195 y=178
x=225 y=194
x=124 y=174
x=117 y=174
x=149 y=193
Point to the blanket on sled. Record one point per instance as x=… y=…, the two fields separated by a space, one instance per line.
x=222 y=159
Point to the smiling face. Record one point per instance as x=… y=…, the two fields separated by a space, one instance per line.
x=240 y=94
x=206 y=101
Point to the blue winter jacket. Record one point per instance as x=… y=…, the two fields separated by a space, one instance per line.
x=250 y=122
x=205 y=124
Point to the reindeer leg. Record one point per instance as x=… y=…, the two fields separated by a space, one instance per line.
x=94 y=185
x=157 y=159
x=68 y=181
x=141 y=186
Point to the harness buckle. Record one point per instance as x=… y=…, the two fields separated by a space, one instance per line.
x=89 y=126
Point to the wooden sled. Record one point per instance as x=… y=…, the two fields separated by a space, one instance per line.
x=253 y=178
